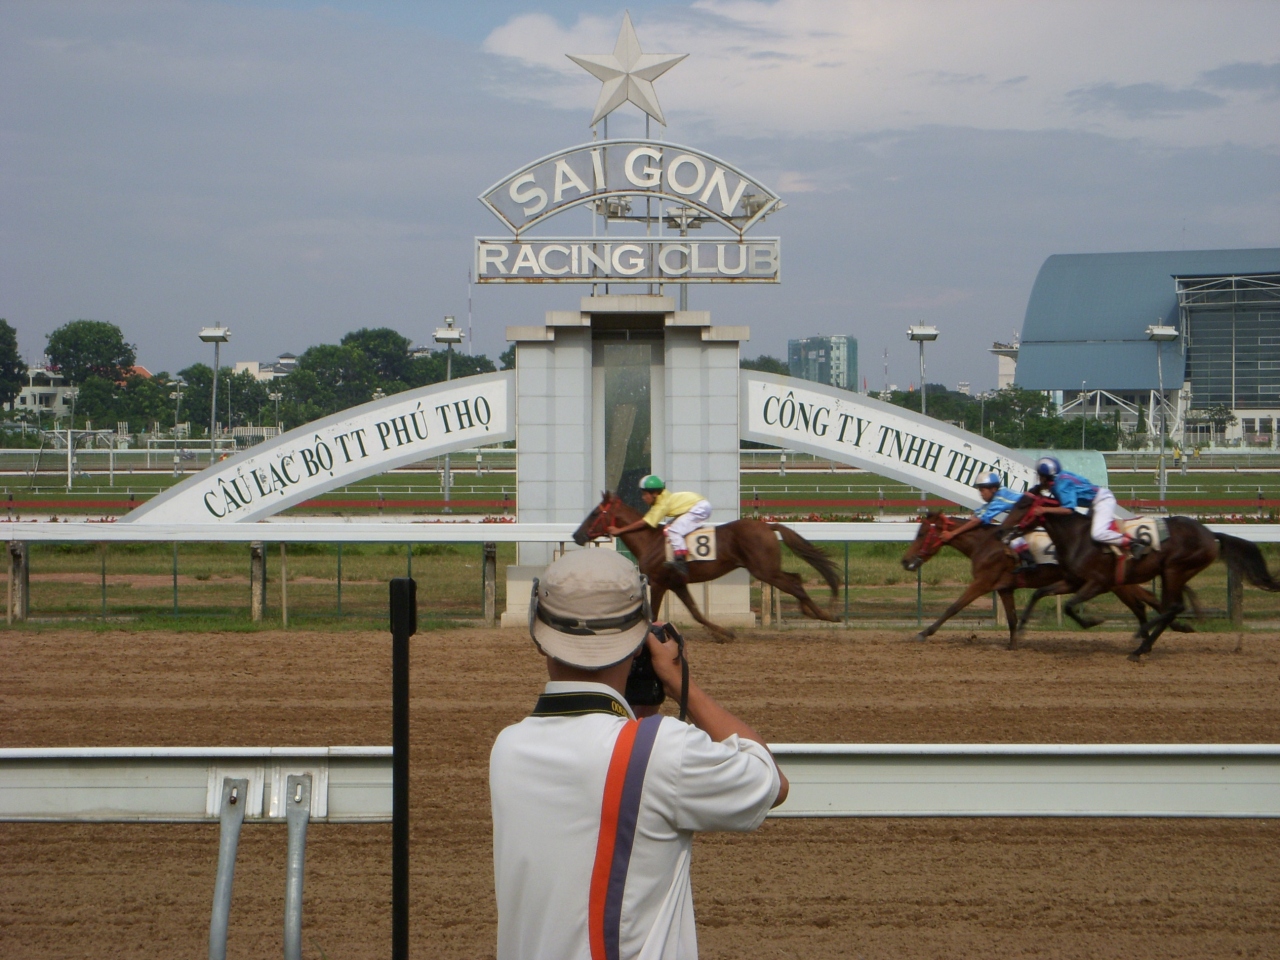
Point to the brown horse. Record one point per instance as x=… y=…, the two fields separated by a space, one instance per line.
x=1190 y=548
x=991 y=568
x=752 y=544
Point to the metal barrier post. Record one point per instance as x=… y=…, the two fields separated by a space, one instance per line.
x=297 y=815
x=284 y=587
x=404 y=624
x=20 y=580
x=1235 y=598
x=919 y=599
x=257 y=581
x=491 y=583
x=231 y=814
x=846 y=583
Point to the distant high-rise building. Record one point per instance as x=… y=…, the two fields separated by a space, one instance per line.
x=829 y=360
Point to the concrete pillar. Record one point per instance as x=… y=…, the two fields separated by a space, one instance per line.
x=20 y=581
x=257 y=582
x=491 y=584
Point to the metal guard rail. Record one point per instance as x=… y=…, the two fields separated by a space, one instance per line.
x=353 y=784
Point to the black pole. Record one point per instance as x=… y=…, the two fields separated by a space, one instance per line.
x=404 y=624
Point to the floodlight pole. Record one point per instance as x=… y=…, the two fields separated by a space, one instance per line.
x=1161 y=334
x=217 y=336
x=924 y=393
x=448 y=336
x=920 y=334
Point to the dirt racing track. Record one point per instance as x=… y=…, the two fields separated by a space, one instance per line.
x=797 y=888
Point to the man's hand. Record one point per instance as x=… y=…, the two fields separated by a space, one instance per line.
x=946 y=536
x=666 y=660
x=613 y=531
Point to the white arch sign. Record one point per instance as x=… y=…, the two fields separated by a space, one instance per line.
x=340 y=449
x=877 y=436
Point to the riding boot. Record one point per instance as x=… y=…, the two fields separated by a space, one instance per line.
x=1026 y=562
x=679 y=565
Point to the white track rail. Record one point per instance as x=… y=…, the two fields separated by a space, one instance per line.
x=184 y=784
x=353 y=784
x=1030 y=780
x=411 y=531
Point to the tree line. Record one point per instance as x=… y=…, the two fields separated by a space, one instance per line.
x=95 y=358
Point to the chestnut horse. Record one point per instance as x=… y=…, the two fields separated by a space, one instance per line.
x=752 y=544
x=1190 y=548
x=991 y=568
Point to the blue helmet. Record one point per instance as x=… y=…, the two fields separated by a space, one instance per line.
x=989 y=480
x=1048 y=467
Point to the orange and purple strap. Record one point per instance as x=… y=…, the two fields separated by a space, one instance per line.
x=618 y=813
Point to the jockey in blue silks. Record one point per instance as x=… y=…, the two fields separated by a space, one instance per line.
x=998 y=500
x=1073 y=491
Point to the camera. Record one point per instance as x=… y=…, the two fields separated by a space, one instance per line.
x=644 y=689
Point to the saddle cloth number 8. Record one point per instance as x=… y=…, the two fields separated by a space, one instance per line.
x=701 y=543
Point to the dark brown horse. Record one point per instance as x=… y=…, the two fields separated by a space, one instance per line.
x=991 y=568
x=752 y=544
x=1190 y=548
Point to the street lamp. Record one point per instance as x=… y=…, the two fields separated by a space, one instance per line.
x=217 y=336
x=1162 y=334
x=448 y=336
x=176 y=396
x=276 y=397
x=922 y=335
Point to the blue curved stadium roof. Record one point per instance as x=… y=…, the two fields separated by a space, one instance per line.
x=1088 y=315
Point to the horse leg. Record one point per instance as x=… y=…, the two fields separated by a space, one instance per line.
x=1137 y=599
x=657 y=592
x=1036 y=598
x=1010 y=604
x=1173 y=587
x=1149 y=598
x=793 y=585
x=1087 y=592
x=682 y=591
x=971 y=593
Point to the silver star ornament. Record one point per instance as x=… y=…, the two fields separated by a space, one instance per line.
x=628 y=74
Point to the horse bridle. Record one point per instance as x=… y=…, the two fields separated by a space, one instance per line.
x=933 y=537
x=606 y=513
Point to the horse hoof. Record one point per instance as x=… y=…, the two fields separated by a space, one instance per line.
x=1135 y=657
x=1179 y=627
x=921 y=637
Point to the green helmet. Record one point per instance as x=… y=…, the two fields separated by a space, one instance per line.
x=652 y=482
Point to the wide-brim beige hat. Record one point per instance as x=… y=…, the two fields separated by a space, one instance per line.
x=588 y=609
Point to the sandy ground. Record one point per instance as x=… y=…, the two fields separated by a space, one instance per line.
x=818 y=888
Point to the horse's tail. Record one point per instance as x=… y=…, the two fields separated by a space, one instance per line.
x=1243 y=557
x=810 y=554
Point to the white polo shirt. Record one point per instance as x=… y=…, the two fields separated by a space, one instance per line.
x=546 y=785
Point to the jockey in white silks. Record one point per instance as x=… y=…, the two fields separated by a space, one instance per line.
x=1072 y=491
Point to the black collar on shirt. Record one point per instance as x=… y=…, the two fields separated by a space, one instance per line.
x=577 y=704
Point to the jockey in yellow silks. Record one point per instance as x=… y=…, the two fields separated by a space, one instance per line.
x=687 y=512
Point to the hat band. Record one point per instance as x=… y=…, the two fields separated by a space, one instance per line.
x=586 y=628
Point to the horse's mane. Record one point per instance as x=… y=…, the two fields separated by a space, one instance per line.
x=622 y=510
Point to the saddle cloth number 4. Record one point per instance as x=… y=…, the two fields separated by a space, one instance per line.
x=701 y=544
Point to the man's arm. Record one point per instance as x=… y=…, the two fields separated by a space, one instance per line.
x=717 y=722
x=949 y=535
x=629 y=528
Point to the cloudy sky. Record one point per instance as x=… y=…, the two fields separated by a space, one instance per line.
x=298 y=169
